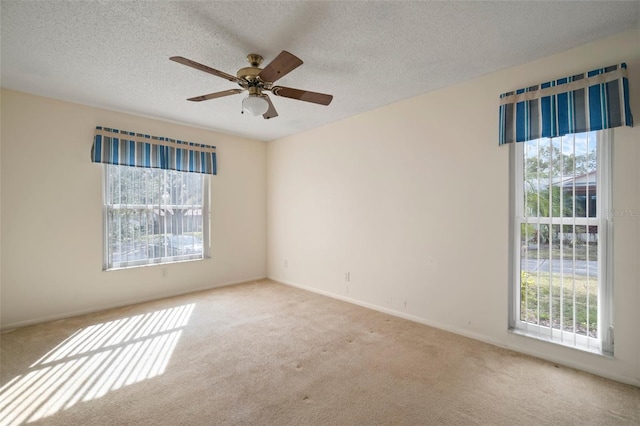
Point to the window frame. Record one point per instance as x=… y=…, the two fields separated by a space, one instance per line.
x=604 y=343
x=167 y=260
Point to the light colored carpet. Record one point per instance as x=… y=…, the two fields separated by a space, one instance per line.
x=267 y=354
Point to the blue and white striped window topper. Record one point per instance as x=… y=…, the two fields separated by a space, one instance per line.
x=113 y=146
x=595 y=100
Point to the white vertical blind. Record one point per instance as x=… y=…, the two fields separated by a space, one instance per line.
x=153 y=216
x=561 y=271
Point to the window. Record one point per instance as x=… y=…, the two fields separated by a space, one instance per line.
x=561 y=290
x=154 y=216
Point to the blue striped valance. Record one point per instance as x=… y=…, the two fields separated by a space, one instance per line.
x=595 y=100
x=112 y=146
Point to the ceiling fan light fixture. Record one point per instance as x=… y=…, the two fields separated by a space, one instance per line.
x=255 y=104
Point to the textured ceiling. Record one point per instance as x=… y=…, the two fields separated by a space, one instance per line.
x=115 y=55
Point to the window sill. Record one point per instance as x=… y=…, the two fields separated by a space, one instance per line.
x=581 y=348
x=162 y=265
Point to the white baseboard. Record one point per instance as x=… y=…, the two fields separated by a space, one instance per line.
x=55 y=317
x=389 y=311
x=466 y=333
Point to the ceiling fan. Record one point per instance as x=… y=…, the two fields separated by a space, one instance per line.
x=257 y=80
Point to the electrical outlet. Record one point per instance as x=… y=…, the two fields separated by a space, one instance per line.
x=165 y=272
x=347 y=276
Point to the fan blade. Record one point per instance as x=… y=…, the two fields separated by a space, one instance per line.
x=302 y=95
x=192 y=64
x=216 y=95
x=282 y=65
x=271 y=112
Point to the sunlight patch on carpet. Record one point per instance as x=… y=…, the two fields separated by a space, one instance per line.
x=92 y=362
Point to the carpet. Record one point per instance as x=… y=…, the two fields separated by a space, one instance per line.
x=263 y=353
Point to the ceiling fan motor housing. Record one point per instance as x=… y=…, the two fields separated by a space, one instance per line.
x=250 y=74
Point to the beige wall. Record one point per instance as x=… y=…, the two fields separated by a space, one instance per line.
x=52 y=213
x=412 y=200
